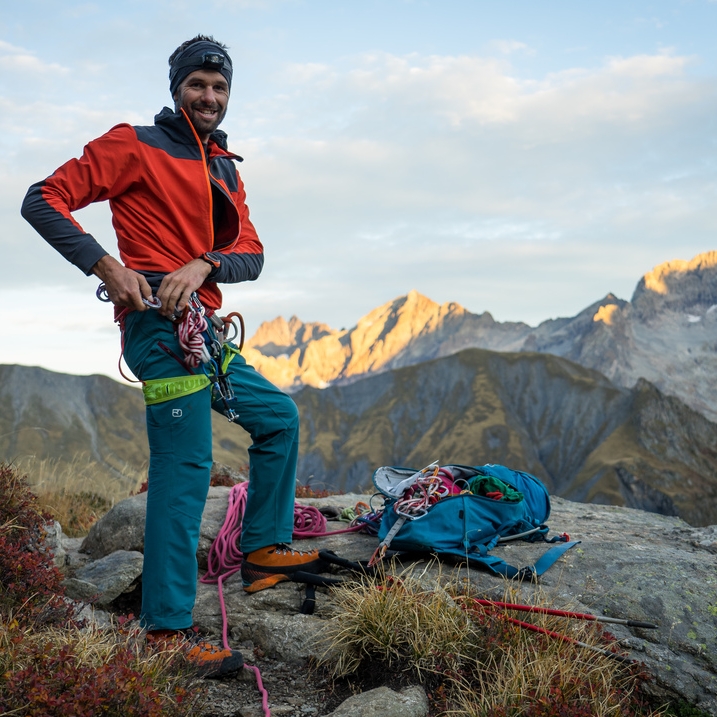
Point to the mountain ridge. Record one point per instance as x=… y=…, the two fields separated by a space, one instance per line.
x=585 y=437
x=666 y=334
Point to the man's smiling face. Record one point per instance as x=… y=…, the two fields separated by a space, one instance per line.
x=204 y=96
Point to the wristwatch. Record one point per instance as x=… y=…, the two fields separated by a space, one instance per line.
x=215 y=259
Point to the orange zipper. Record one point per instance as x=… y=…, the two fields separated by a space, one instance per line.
x=206 y=175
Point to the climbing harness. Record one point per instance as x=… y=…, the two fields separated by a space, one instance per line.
x=205 y=339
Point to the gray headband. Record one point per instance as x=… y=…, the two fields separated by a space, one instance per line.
x=201 y=55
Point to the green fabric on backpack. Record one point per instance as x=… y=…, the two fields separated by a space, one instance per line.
x=482 y=485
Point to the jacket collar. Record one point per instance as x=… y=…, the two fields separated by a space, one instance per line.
x=176 y=125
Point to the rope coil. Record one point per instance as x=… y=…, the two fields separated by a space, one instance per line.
x=190 y=335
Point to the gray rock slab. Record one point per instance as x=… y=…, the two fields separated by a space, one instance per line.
x=94 y=616
x=80 y=590
x=646 y=567
x=630 y=564
x=215 y=512
x=74 y=559
x=270 y=619
x=384 y=702
x=121 y=528
x=112 y=575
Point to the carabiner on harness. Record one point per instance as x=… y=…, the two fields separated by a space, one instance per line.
x=221 y=388
x=153 y=302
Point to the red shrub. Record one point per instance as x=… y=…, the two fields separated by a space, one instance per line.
x=59 y=685
x=28 y=576
x=306 y=491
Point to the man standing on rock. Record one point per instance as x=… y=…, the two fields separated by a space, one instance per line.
x=182 y=224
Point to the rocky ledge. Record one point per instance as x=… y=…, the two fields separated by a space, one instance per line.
x=629 y=564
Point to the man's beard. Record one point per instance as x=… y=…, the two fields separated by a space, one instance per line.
x=202 y=123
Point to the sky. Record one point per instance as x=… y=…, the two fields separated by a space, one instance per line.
x=520 y=158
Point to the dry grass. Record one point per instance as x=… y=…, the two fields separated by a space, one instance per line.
x=81 y=474
x=79 y=492
x=478 y=663
x=398 y=623
x=531 y=669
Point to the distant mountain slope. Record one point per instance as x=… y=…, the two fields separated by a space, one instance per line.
x=666 y=334
x=589 y=439
x=58 y=416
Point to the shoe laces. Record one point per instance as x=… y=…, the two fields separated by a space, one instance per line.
x=193 y=639
x=284 y=549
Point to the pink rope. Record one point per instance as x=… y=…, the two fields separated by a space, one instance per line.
x=225 y=557
x=189 y=333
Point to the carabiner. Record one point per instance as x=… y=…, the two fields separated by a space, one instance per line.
x=153 y=302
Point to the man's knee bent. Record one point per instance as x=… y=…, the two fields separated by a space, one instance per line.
x=281 y=417
x=289 y=413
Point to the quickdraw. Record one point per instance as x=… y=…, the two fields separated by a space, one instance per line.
x=420 y=491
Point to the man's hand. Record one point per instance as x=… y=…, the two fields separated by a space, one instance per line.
x=177 y=287
x=125 y=287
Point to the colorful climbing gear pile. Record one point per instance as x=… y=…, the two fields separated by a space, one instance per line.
x=463 y=512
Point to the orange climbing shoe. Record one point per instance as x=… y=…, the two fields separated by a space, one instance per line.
x=208 y=659
x=266 y=567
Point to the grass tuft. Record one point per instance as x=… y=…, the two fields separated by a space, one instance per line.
x=475 y=662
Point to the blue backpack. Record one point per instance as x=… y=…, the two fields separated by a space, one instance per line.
x=465 y=526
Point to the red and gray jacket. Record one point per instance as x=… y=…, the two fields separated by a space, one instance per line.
x=170 y=204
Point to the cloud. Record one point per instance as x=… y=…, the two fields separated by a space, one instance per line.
x=463 y=132
x=13 y=58
x=450 y=174
x=508 y=47
x=438 y=162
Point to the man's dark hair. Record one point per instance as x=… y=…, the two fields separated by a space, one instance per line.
x=198 y=38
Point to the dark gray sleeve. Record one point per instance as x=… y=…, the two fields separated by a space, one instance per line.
x=234 y=268
x=60 y=231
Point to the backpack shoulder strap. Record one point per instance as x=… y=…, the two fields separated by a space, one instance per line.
x=498 y=566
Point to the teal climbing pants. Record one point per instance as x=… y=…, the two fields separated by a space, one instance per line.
x=180 y=449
